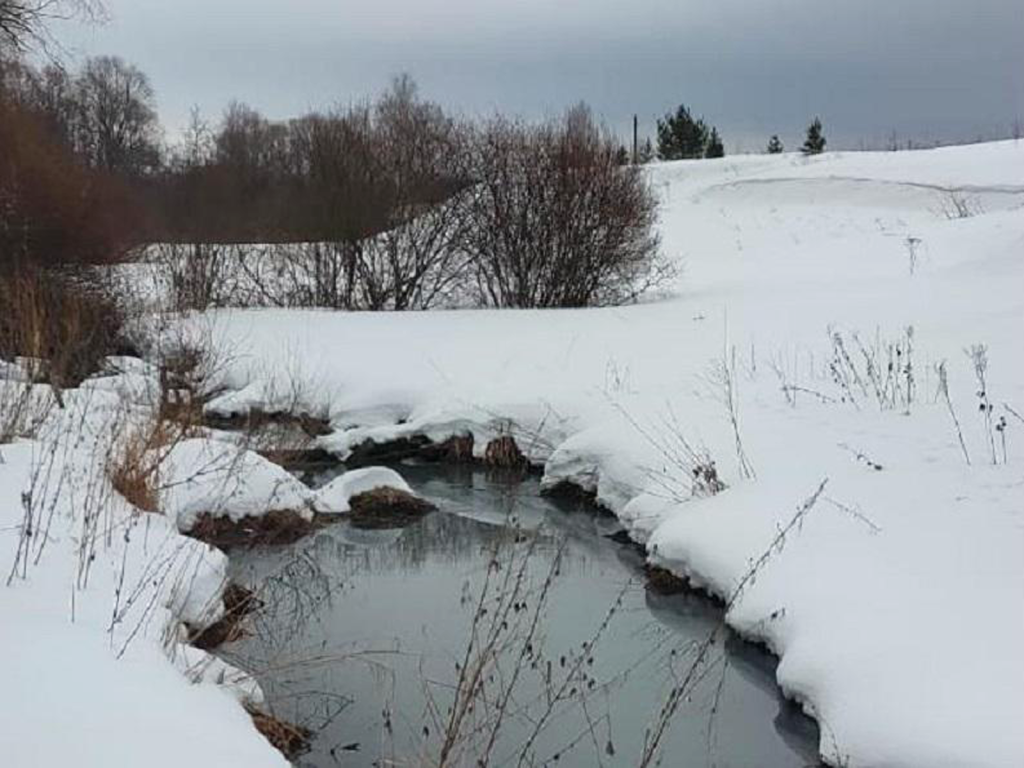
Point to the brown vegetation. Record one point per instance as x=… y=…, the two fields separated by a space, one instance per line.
x=290 y=740
x=387 y=508
x=276 y=527
x=503 y=452
x=62 y=321
x=239 y=602
x=664 y=582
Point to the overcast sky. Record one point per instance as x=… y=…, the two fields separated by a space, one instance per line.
x=927 y=69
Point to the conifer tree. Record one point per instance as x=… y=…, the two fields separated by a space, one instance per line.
x=680 y=136
x=714 y=148
x=775 y=145
x=814 y=144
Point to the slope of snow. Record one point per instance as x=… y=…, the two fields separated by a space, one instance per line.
x=896 y=606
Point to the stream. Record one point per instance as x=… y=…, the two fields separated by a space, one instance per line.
x=363 y=633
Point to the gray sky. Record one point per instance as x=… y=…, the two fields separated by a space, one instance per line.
x=927 y=69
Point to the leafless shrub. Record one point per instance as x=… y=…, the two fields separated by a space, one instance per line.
x=555 y=221
x=195 y=276
x=883 y=369
x=687 y=470
x=955 y=204
x=723 y=380
x=978 y=353
x=787 y=375
x=24 y=407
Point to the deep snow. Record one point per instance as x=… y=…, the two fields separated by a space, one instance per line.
x=896 y=606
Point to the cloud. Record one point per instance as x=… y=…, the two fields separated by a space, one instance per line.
x=947 y=69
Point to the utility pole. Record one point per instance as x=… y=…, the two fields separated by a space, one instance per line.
x=635 y=158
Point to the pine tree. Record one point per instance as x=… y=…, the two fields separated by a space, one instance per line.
x=715 y=148
x=680 y=136
x=775 y=145
x=814 y=144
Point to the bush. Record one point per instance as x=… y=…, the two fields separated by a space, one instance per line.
x=555 y=221
x=62 y=321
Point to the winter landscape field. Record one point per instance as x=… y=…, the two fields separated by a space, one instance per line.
x=571 y=456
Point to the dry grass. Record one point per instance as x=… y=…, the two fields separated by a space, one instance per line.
x=239 y=602
x=387 y=508
x=66 y=324
x=133 y=465
x=503 y=452
x=290 y=740
x=276 y=527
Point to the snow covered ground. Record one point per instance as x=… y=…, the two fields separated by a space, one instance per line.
x=94 y=670
x=897 y=605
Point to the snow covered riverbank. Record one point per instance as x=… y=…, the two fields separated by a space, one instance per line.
x=895 y=607
x=94 y=665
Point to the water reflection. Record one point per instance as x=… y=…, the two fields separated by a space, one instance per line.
x=362 y=632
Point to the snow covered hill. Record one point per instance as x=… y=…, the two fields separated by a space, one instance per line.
x=821 y=296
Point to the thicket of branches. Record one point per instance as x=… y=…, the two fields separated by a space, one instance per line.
x=391 y=204
x=555 y=220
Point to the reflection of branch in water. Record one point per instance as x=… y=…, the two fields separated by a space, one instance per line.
x=517 y=697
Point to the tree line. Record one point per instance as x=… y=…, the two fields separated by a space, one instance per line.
x=681 y=136
x=387 y=204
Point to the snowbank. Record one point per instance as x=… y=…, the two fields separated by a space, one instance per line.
x=895 y=606
x=91 y=608
x=205 y=476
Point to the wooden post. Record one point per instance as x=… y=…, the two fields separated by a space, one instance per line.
x=635 y=158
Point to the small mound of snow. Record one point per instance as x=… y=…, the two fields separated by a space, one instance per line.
x=131 y=387
x=208 y=476
x=334 y=497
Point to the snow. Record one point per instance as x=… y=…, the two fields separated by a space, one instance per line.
x=334 y=497
x=91 y=656
x=896 y=606
x=205 y=476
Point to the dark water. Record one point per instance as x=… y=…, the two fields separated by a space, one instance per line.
x=363 y=631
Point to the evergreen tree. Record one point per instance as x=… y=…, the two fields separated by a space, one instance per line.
x=680 y=136
x=714 y=148
x=814 y=144
x=775 y=145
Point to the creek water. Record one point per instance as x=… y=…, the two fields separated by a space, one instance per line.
x=363 y=633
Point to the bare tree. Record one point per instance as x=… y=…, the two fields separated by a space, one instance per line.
x=23 y=22
x=118 y=123
x=417 y=258
x=555 y=220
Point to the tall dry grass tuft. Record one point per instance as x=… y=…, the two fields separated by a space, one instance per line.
x=134 y=462
x=63 y=324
